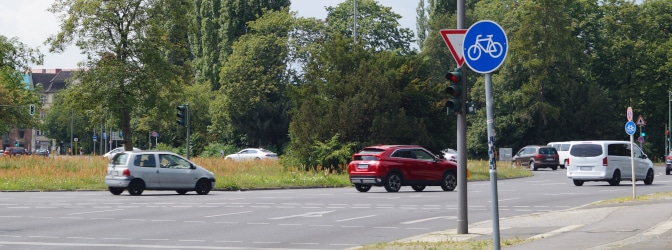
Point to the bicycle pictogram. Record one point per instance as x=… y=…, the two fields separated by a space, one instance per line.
x=495 y=49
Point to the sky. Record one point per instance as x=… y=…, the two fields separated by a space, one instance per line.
x=31 y=23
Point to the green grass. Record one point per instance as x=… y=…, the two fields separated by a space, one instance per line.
x=627 y=199
x=444 y=245
x=34 y=173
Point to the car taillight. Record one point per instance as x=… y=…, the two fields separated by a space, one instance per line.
x=126 y=172
x=604 y=161
x=669 y=158
x=539 y=156
x=567 y=164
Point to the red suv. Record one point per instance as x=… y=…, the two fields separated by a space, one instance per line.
x=393 y=166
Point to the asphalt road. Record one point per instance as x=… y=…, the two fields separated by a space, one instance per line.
x=324 y=218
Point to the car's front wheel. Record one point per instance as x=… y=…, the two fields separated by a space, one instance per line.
x=393 y=183
x=181 y=191
x=362 y=188
x=418 y=188
x=116 y=190
x=203 y=186
x=449 y=181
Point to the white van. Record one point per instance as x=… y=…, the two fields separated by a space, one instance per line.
x=607 y=161
x=563 y=151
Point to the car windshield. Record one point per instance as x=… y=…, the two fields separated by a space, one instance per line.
x=586 y=150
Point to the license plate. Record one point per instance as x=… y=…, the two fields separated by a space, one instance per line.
x=362 y=166
x=585 y=168
x=114 y=173
x=550 y=159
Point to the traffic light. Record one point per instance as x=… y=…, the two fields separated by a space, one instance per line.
x=454 y=90
x=182 y=115
x=32 y=109
x=642 y=133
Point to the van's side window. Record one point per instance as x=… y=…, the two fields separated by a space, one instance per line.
x=618 y=149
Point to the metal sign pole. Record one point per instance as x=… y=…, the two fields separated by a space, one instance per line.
x=491 y=153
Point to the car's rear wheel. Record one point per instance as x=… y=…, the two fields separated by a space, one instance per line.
x=116 y=190
x=362 y=187
x=203 y=186
x=533 y=166
x=181 y=191
x=616 y=178
x=578 y=183
x=449 y=181
x=136 y=187
x=418 y=188
x=667 y=171
x=649 y=177
x=393 y=182
x=554 y=167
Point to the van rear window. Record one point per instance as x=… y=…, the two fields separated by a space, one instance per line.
x=586 y=150
x=547 y=151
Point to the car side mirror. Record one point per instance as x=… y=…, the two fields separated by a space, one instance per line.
x=191 y=166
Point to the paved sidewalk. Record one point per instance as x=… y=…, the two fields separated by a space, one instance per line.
x=632 y=225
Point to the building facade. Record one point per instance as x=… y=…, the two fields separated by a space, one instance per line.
x=51 y=81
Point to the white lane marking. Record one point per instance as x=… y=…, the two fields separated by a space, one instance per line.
x=506 y=200
x=356 y=218
x=93 y=212
x=428 y=219
x=555 y=232
x=660 y=228
x=307 y=215
x=217 y=215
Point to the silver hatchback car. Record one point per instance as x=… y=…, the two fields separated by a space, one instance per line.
x=137 y=171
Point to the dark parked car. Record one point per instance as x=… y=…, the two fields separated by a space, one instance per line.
x=668 y=163
x=42 y=152
x=394 y=166
x=535 y=157
x=13 y=151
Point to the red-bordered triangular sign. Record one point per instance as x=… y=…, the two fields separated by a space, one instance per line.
x=454 y=40
x=640 y=121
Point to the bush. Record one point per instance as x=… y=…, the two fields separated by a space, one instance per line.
x=213 y=150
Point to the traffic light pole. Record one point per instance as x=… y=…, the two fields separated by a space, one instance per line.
x=188 y=130
x=462 y=216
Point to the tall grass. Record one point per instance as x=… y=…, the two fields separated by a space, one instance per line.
x=26 y=173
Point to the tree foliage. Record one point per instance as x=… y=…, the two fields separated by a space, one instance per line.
x=15 y=96
x=125 y=70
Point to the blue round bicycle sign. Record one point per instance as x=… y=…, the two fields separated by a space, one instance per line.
x=485 y=46
x=630 y=128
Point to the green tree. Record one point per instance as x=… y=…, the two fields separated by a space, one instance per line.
x=377 y=25
x=250 y=107
x=421 y=23
x=127 y=65
x=15 y=96
x=217 y=25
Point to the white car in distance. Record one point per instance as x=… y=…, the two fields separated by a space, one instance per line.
x=252 y=154
x=115 y=151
